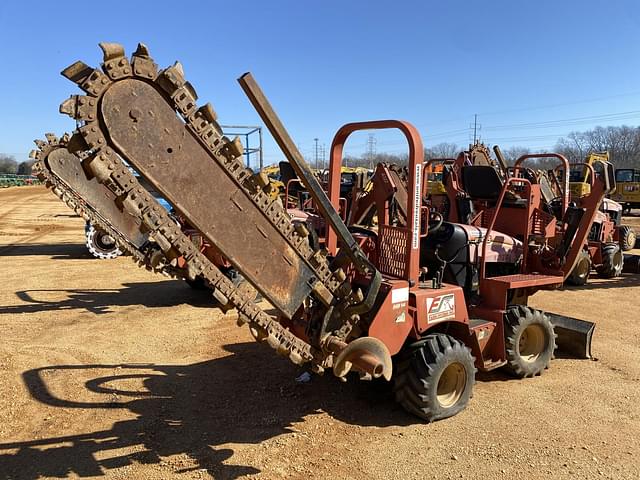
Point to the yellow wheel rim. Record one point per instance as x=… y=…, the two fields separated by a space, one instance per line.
x=451 y=384
x=531 y=344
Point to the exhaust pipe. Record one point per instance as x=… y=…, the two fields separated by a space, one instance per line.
x=573 y=335
x=366 y=354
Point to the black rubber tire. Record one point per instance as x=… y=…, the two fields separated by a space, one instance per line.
x=612 y=261
x=97 y=247
x=418 y=375
x=627 y=237
x=580 y=273
x=524 y=328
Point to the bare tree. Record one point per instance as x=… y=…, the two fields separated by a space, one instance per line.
x=364 y=160
x=511 y=154
x=622 y=143
x=442 y=150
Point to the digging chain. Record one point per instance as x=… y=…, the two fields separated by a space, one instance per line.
x=147 y=258
x=168 y=234
x=109 y=169
x=179 y=93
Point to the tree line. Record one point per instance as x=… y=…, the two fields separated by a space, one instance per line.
x=622 y=143
x=9 y=164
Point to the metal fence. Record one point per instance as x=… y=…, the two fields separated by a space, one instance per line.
x=12 y=180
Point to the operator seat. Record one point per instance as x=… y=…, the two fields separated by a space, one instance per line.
x=482 y=182
x=287 y=173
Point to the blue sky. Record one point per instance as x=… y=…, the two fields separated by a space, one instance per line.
x=326 y=63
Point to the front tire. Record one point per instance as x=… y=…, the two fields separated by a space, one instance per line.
x=434 y=377
x=580 y=273
x=627 y=237
x=612 y=261
x=529 y=341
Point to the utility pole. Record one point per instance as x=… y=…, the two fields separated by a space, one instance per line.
x=316 y=156
x=371 y=150
x=476 y=127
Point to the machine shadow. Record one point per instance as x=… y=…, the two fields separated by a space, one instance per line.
x=247 y=397
x=61 y=251
x=595 y=283
x=100 y=301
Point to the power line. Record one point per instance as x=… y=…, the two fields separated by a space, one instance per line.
x=563 y=104
x=567 y=121
x=548 y=106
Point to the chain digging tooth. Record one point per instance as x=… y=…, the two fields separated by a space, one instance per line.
x=172 y=78
x=237 y=149
x=221 y=299
x=142 y=51
x=190 y=89
x=69 y=106
x=80 y=107
x=51 y=138
x=143 y=64
x=296 y=358
x=115 y=63
x=207 y=112
x=111 y=50
x=77 y=72
x=178 y=69
x=89 y=79
x=98 y=167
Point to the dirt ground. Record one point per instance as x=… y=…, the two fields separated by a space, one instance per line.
x=109 y=371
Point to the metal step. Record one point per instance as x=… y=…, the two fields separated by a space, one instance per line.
x=525 y=280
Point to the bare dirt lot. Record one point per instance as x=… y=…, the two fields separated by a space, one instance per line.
x=109 y=371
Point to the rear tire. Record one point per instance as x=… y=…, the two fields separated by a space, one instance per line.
x=580 y=273
x=434 y=377
x=627 y=237
x=101 y=244
x=529 y=341
x=612 y=261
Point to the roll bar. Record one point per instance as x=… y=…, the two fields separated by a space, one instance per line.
x=414 y=190
x=565 y=179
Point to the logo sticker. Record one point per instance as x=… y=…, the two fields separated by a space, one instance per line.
x=441 y=308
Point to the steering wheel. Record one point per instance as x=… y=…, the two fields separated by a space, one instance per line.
x=555 y=207
x=436 y=219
